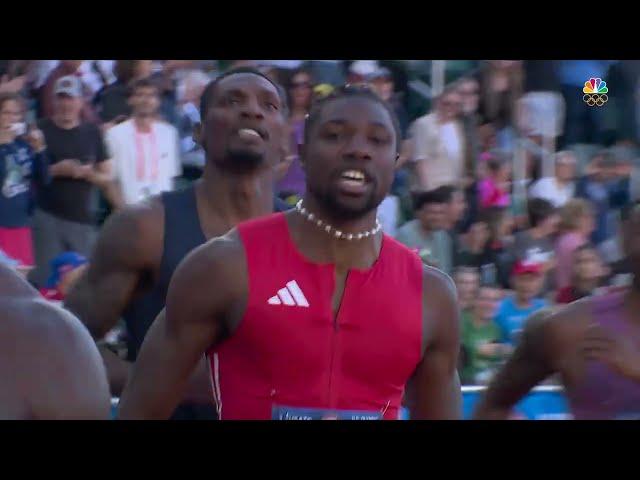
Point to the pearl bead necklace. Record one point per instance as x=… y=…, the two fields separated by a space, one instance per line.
x=332 y=230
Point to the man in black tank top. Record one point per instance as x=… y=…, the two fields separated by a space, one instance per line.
x=244 y=135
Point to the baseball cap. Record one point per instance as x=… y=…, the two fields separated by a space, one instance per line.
x=522 y=267
x=364 y=67
x=63 y=263
x=69 y=85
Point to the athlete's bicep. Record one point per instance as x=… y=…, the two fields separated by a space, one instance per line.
x=201 y=294
x=434 y=390
x=529 y=365
x=126 y=249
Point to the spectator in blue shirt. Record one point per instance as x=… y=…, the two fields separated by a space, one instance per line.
x=527 y=279
x=607 y=190
x=22 y=161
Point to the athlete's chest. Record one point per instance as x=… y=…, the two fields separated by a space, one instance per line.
x=310 y=320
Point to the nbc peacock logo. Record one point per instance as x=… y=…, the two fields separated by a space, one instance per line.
x=595 y=92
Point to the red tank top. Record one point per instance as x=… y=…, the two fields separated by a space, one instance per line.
x=289 y=357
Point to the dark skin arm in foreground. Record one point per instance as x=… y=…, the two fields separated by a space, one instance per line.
x=123 y=266
x=49 y=366
x=433 y=393
x=533 y=360
x=194 y=320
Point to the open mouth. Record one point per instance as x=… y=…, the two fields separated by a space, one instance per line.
x=353 y=181
x=251 y=134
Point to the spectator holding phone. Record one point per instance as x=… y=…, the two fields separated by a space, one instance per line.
x=65 y=215
x=22 y=160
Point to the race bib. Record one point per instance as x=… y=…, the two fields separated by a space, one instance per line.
x=292 y=413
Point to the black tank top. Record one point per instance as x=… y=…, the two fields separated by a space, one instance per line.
x=182 y=233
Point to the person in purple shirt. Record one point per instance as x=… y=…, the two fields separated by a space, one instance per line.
x=594 y=344
x=300 y=95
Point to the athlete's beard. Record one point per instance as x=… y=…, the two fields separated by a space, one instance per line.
x=339 y=211
x=241 y=161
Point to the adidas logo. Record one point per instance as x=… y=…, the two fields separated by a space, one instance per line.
x=290 y=295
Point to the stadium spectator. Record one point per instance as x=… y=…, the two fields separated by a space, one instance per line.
x=456 y=207
x=145 y=151
x=438 y=143
x=64 y=219
x=481 y=338
x=561 y=188
x=469 y=90
x=67 y=68
x=467 y=282
x=192 y=154
x=494 y=188
x=526 y=279
x=576 y=225
x=607 y=187
x=587 y=273
x=112 y=102
x=536 y=244
x=22 y=162
x=427 y=232
x=381 y=81
x=300 y=95
x=487 y=247
x=501 y=85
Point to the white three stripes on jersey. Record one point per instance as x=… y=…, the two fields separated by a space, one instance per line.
x=290 y=295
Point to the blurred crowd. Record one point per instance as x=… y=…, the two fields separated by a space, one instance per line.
x=508 y=181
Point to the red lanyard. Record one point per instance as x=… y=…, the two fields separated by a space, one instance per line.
x=141 y=164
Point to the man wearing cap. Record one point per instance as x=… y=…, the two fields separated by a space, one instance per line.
x=67 y=68
x=64 y=218
x=527 y=279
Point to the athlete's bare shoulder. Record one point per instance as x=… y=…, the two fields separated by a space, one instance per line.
x=138 y=228
x=50 y=366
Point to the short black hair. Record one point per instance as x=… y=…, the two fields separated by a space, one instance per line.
x=422 y=198
x=142 y=83
x=350 y=91
x=447 y=191
x=538 y=210
x=209 y=90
